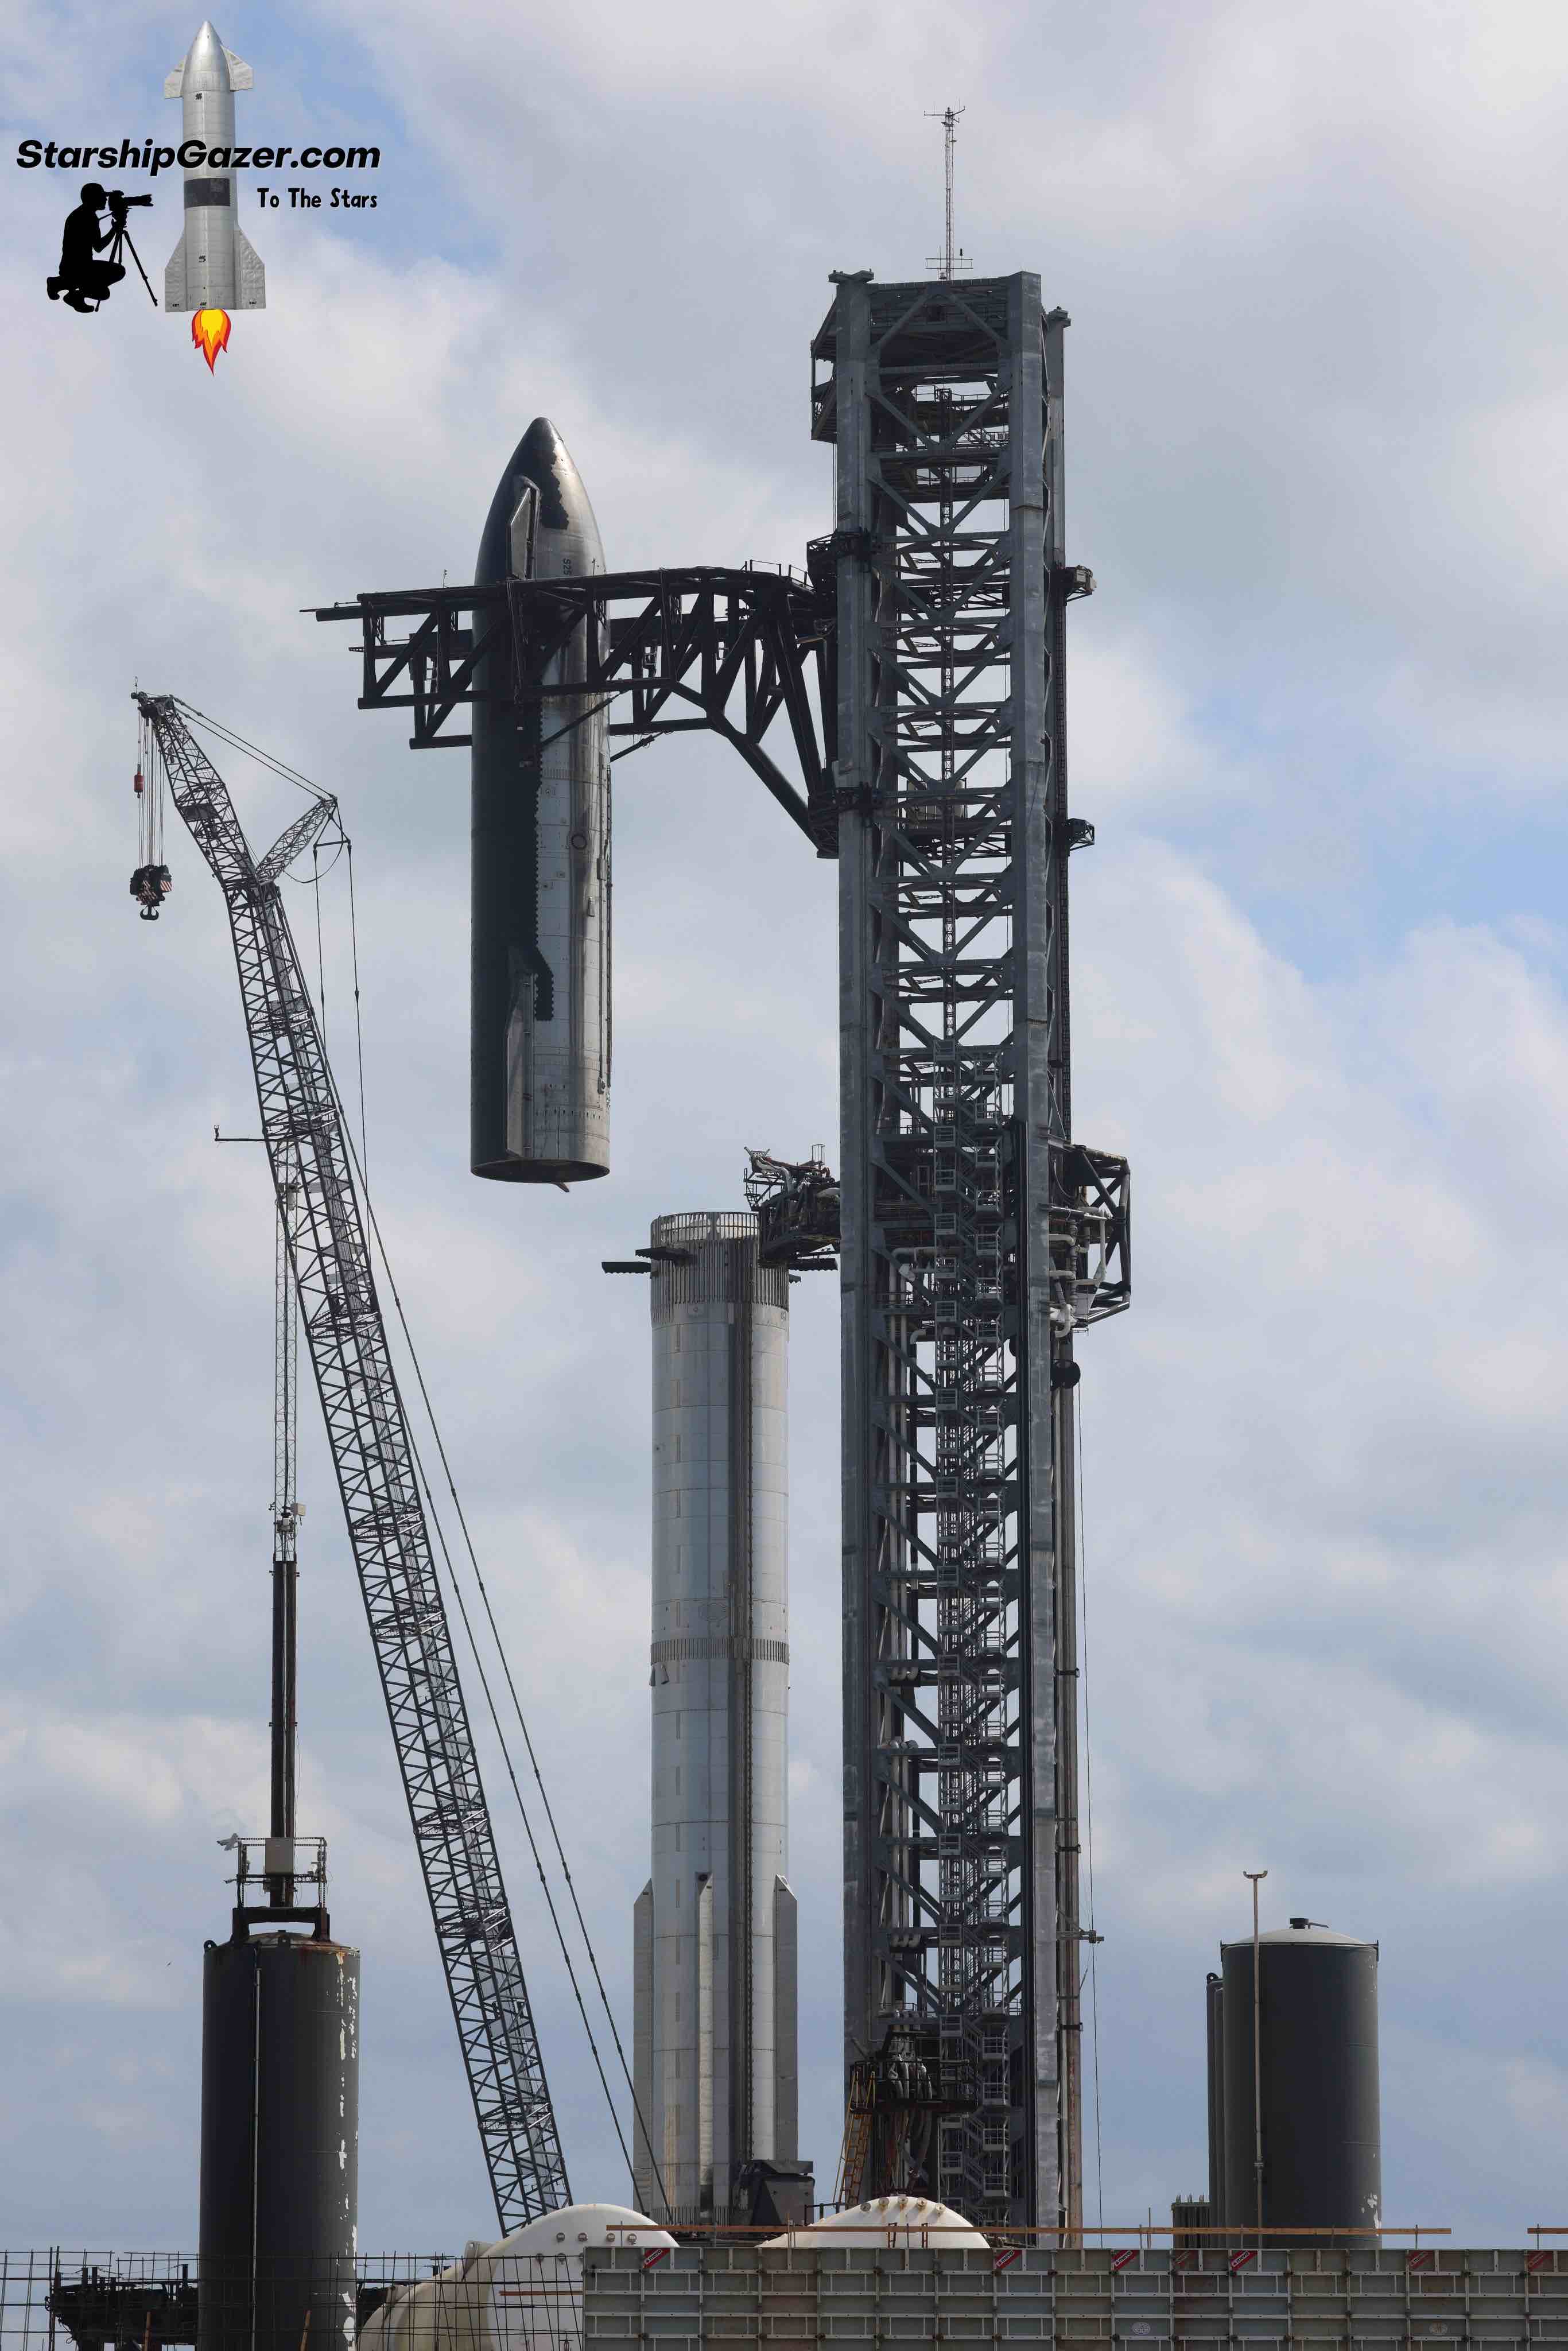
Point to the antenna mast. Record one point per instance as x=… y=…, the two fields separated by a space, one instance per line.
x=952 y=258
x=285 y=1514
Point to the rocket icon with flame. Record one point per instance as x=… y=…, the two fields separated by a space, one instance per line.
x=214 y=269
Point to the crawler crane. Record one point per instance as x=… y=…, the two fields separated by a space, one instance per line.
x=373 y=1455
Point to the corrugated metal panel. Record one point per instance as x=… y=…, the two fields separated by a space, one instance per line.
x=735 y=2294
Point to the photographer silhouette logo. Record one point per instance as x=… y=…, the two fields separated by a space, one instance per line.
x=214 y=268
x=90 y=254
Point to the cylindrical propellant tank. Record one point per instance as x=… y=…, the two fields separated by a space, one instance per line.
x=1317 y=2028
x=541 y=992
x=280 y=2144
x=521 y=2293
x=715 y=1928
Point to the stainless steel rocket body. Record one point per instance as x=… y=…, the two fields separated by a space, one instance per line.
x=214 y=266
x=540 y=996
x=714 y=1929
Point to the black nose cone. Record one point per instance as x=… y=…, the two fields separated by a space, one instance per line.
x=541 y=457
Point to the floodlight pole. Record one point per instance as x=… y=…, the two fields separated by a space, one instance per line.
x=1255 y=1875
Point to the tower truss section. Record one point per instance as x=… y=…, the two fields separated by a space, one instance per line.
x=975 y=1238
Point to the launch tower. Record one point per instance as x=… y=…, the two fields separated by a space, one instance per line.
x=977 y=1237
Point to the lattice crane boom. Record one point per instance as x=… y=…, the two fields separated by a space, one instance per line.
x=373 y=1453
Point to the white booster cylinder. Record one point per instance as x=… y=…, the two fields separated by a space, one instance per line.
x=714 y=1932
x=522 y=2294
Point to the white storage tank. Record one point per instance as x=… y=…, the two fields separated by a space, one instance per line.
x=523 y=2293
x=903 y=2223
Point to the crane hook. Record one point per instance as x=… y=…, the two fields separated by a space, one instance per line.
x=150 y=885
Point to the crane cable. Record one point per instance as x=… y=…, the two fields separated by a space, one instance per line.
x=495 y=1635
x=264 y=758
x=320 y=959
x=149 y=797
x=506 y=1757
x=491 y=1707
x=359 y=1032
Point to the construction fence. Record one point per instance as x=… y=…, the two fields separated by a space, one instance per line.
x=1133 y=2299
x=63 y=2300
x=1126 y=2299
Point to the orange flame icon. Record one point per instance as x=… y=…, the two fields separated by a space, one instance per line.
x=210 y=333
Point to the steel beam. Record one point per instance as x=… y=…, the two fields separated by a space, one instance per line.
x=730 y=651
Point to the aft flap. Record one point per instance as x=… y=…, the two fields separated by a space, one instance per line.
x=175 y=297
x=250 y=278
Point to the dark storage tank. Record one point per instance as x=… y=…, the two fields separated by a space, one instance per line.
x=280 y=2144
x=1317 y=2029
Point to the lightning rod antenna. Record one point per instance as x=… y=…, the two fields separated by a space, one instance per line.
x=952 y=258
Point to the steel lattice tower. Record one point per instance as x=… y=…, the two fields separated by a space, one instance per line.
x=975 y=1237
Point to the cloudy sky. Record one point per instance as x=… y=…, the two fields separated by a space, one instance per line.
x=1316 y=460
